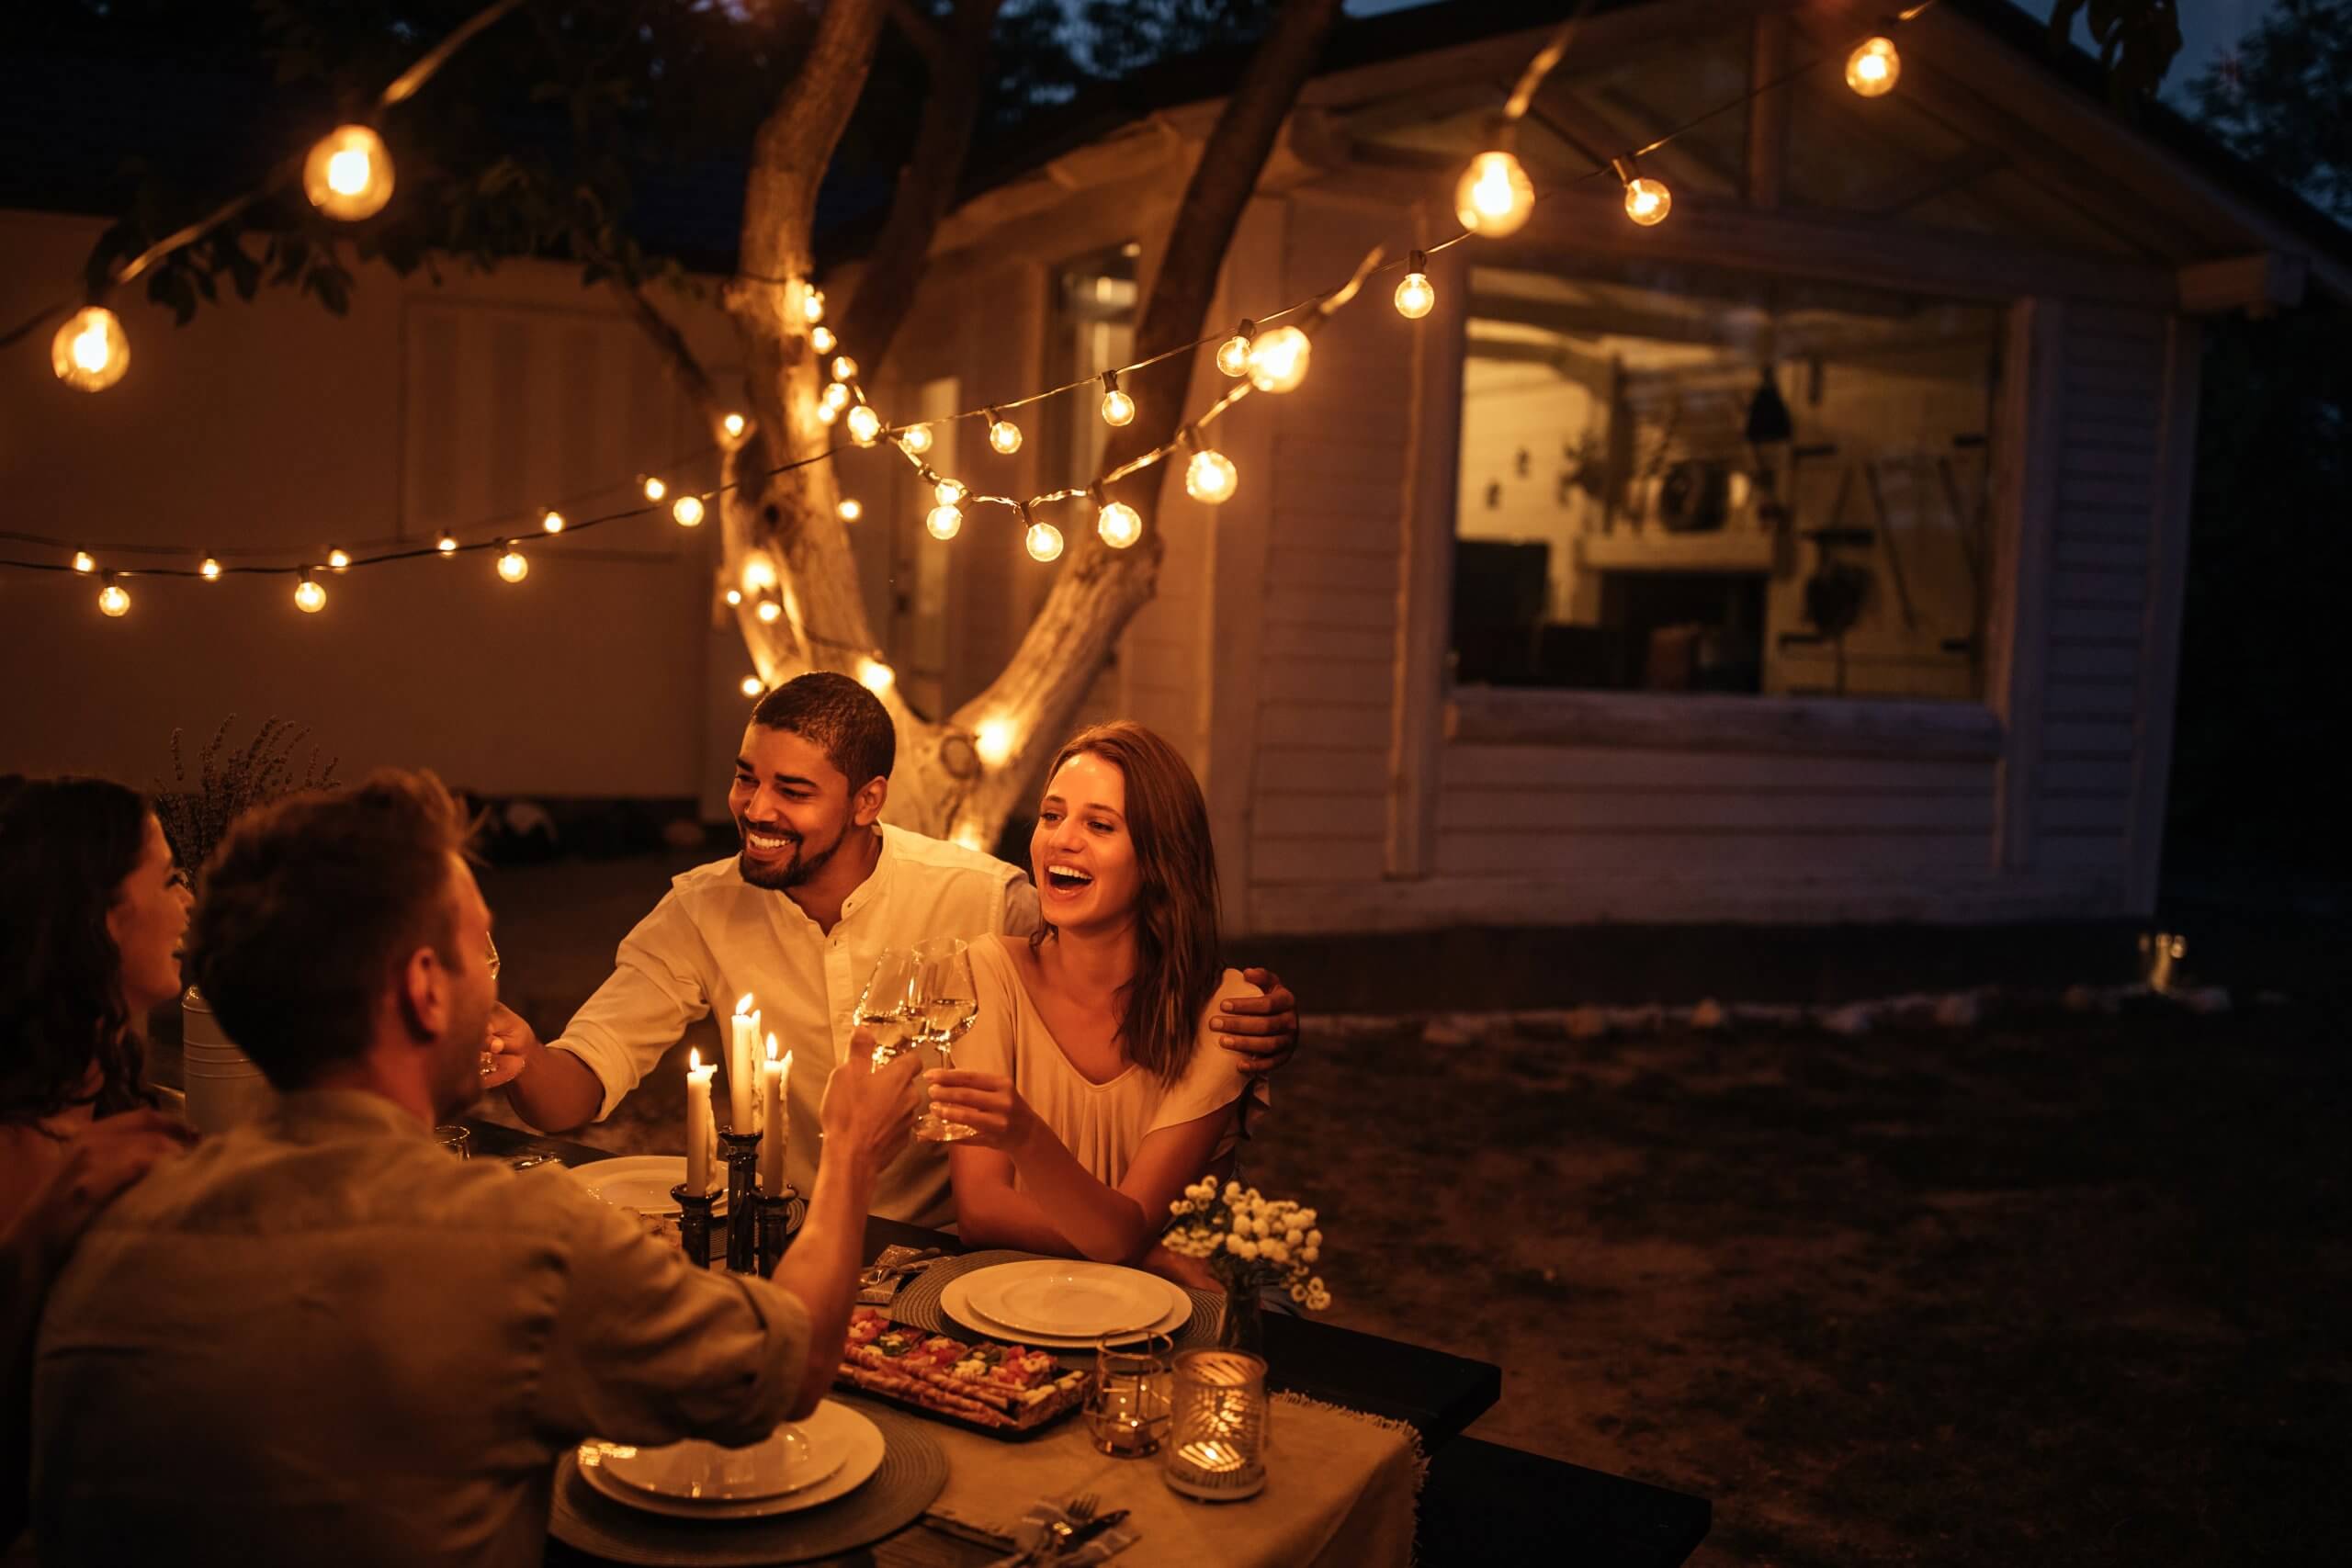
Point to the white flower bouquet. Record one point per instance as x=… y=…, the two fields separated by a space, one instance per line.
x=1250 y=1241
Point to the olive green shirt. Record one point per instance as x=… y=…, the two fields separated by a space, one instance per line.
x=320 y=1339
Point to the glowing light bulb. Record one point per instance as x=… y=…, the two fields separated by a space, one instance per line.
x=734 y=596
x=827 y=413
x=949 y=492
x=1648 y=201
x=916 y=439
x=993 y=740
x=752 y=687
x=758 y=575
x=734 y=425
x=308 y=597
x=349 y=175
x=688 y=511
x=1494 y=195
x=1278 y=359
x=875 y=675
x=844 y=369
x=512 y=565
x=446 y=544
x=1119 y=524
x=823 y=340
x=1043 y=541
x=113 y=601
x=1871 y=69
x=82 y=561
x=338 y=561
x=1117 y=407
x=90 y=352
x=812 y=306
x=864 y=424
x=835 y=396
x=209 y=571
x=1415 y=297
x=849 y=511
x=770 y=611
x=552 y=522
x=1233 y=354
x=1004 y=437
x=944 y=522
x=1211 y=477
x=654 y=489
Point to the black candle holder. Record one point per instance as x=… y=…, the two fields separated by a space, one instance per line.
x=743 y=1154
x=780 y=1219
x=693 y=1224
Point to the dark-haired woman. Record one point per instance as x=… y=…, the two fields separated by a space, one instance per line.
x=92 y=910
x=1096 y=1089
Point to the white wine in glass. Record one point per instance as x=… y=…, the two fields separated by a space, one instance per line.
x=948 y=1004
x=888 y=1005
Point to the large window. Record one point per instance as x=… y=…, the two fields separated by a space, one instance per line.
x=1674 y=479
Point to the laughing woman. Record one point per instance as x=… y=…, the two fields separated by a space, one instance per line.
x=1090 y=1075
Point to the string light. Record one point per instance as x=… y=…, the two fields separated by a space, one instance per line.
x=759 y=576
x=844 y=369
x=1043 y=541
x=770 y=612
x=688 y=511
x=993 y=740
x=752 y=687
x=828 y=412
x=875 y=676
x=1233 y=354
x=512 y=565
x=1210 y=477
x=349 y=175
x=446 y=544
x=1494 y=195
x=734 y=596
x=1871 y=69
x=90 y=352
x=1004 y=435
x=209 y=571
x=835 y=396
x=1415 y=297
x=113 y=599
x=654 y=489
x=823 y=340
x=1278 y=359
x=552 y=522
x=1117 y=407
x=308 y=597
x=812 y=307
x=949 y=492
x=1648 y=201
x=82 y=561
x=915 y=440
x=850 y=510
x=864 y=424
x=734 y=425
x=944 y=522
x=338 y=561
x=1118 y=523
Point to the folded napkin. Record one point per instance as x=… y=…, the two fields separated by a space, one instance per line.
x=896 y=1266
x=1033 y=1536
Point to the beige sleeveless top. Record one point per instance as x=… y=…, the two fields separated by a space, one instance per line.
x=1103 y=1124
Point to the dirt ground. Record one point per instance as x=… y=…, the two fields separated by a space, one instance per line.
x=2055 y=1289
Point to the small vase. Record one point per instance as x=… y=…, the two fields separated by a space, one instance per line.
x=1244 y=1327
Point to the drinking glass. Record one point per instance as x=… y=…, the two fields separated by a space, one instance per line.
x=1127 y=1409
x=948 y=1003
x=489 y=1056
x=888 y=1005
x=453 y=1138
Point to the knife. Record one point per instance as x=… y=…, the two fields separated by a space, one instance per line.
x=1089 y=1531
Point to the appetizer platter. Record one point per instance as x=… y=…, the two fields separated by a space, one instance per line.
x=985 y=1385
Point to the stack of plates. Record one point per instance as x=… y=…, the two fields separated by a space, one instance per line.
x=639 y=1182
x=798 y=1465
x=1054 y=1303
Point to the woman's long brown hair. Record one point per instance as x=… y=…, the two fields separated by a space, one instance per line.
x=1178 y=959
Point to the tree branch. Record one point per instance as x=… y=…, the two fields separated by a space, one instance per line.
x=923 y=33
x=671 y=343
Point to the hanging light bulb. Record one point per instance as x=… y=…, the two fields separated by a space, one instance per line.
x=349 y=175
x=1233 y=354
x=752 y=687
x=1494 y=195
x=823 y=340
x=90 y=352
x=1210 y=477
x=835 y=396
x=308 y=597
x=844 y=369
x=915 y=439
x=812 y=306
x=994 y=741
x=1415 y=297
x=113 y=599
x=944 y=522
x=949 y=492
x=874 y=675
x=1278 y=359
x=83 y=563
x=446 y=544
x=654 y=489
x=734 y=425
x=1648 y=201
x=512 y=565
x=864 y=424
x=1871 y=69
x=688 y=511
x=209 y=571
x=758 y=575
x=1043 y=541
x=827 y=412
x=552 y=522
x=1004 y=435
x=338 y=561
x=734 y=596
x=1117 y=407
x=770 y=612
x=849 y=511
x=1118 y=523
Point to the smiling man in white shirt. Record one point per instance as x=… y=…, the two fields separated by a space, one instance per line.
x=796 y=920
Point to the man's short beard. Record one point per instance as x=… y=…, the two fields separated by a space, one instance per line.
x=801 y=867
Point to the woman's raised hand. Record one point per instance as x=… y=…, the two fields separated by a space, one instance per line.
x=988 y=1103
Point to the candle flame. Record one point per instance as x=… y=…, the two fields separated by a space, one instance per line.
x=743 y=1004
x=770 y=1047
x=694 y=1060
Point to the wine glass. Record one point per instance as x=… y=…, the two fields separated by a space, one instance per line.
x=948 y=1004
x=886 y=1006
x=489 y=1056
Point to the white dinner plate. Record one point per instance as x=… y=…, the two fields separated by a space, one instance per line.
x=639 y=1182
x=796 y=1455
x=1068 y=1298
x=855 y=1438
x=957 y=1302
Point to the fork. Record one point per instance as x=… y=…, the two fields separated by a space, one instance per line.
x=1080 y=1509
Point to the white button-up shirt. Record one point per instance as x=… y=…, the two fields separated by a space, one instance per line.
x=714 y=937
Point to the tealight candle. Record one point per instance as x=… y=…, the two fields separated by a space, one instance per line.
x=1218 y=1445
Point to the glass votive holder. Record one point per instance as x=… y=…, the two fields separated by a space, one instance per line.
x=1127 y=1411
x=453 y=1139
x=1217 y=1435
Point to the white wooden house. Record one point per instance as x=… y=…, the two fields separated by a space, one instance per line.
x=1510 y=621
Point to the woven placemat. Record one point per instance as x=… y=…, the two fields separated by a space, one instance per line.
x=912 y=1471
x=918 y=1302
